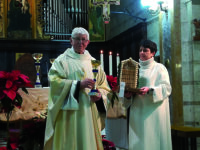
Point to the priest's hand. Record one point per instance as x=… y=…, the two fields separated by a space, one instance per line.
x=96 y=97
x=87 y=83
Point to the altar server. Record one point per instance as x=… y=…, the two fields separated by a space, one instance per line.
x=149 y=121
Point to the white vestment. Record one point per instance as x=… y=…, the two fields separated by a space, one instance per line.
x=73 y=124
x=149 y=124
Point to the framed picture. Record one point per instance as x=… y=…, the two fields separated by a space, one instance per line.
x=96 y=23
x=18 y=19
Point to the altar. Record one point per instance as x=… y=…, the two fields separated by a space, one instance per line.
x=34 y=104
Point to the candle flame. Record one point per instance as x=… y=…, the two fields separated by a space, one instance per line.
x=117 y=54
x=101 y=51
x=110 y=53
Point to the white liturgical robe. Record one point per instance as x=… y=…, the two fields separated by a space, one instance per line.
x=73 y=124
x=149 y=124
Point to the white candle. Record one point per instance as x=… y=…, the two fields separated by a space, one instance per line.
x=118 y=60
x=110 y=63
x=101 y=58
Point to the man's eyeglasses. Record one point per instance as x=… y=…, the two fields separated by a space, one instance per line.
x=78 y=40
x=144 y=50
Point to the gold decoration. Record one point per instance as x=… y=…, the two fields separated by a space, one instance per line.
x=39 y=34
x=35 y=8
x=3 y=23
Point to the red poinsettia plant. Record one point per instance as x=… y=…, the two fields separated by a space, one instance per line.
x=112 y=81
x=10 y=82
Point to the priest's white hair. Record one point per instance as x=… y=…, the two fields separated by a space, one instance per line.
x=79 y=30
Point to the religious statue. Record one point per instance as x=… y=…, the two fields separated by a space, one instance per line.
x=106 y=8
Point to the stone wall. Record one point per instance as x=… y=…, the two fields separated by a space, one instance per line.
x=190 y=64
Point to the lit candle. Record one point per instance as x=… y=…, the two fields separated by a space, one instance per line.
x=101 y=58
x=118 y=60
x=110 y=63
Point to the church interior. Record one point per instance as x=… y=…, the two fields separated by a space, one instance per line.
x=116 y=28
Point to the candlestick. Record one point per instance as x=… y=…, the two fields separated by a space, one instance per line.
x=118 y=60
x=110 y=63
x=101 y=58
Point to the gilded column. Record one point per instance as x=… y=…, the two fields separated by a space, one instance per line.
x=176 y=65
x=3 y=18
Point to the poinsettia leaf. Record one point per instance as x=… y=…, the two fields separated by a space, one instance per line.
x=7 y=104
x=115 y=96
x=2 y=74
x=19 y=99
x=112 y=99
x=10 y=82
x=25 y=90
x=10 y=93
x=2 y=94
x=112 y=102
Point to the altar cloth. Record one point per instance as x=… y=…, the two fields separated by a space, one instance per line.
x=34 y=103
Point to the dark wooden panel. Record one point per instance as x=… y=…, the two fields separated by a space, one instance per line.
x=23 y=46
x=127 y=44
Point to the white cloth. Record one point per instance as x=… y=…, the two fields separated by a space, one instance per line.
x=149 y=124
x=116 y=131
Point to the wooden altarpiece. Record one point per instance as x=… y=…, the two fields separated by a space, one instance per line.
x=21 y=19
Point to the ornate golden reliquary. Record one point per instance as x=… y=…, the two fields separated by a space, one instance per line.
x=128 y=73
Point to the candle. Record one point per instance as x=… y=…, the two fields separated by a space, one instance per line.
x=101 y=58
x=118 y=60
x=110 y=63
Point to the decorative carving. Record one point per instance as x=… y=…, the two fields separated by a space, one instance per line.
x=40 y=23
